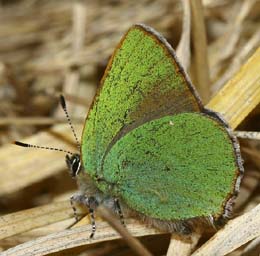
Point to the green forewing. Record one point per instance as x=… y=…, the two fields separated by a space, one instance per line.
x=142 y=82
x=173 y=168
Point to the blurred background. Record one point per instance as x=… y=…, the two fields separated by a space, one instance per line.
x=53 y=47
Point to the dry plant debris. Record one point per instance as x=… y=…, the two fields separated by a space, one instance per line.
x=49 y=47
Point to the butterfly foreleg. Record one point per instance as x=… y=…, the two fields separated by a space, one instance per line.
x=90 y=202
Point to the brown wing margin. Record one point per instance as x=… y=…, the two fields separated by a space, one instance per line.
x=158 y=37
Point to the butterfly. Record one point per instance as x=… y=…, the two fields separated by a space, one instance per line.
x=149 y=148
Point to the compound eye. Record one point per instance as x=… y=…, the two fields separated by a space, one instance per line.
x=73 y=164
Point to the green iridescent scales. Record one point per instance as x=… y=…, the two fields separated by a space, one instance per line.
x=146 y=140
x=139 y=82
x=175 y=167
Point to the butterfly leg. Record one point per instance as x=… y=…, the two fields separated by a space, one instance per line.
x=91 y=203
x=119 y=211
x=73 y=200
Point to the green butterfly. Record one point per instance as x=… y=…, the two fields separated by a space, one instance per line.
x=150 y=146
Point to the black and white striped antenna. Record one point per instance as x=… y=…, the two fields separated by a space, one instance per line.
x=63 y=105
x=26 y=145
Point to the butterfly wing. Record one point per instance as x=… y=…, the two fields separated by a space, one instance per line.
x=143 y=81
x=174 y=168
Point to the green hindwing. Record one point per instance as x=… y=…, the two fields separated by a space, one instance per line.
x=143 y=81
x=173 y=168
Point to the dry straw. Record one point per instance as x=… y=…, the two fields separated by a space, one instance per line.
x=51 y=46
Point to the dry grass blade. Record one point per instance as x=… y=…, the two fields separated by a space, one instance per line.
x=72 y=238
x=235 y=29
x=72 y=78
x=236 y=233
x=252 y=247
x=241 y=94
x=199 y=42
x=183 y=49
x=15 y=223
x=181 y=246
x=252 y=44
x=227 y=44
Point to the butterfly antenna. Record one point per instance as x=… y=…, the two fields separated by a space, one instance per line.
x=64 y=107
x=26 y=145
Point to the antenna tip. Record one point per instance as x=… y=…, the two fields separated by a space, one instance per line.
x=21 y=144
x=62 y=101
